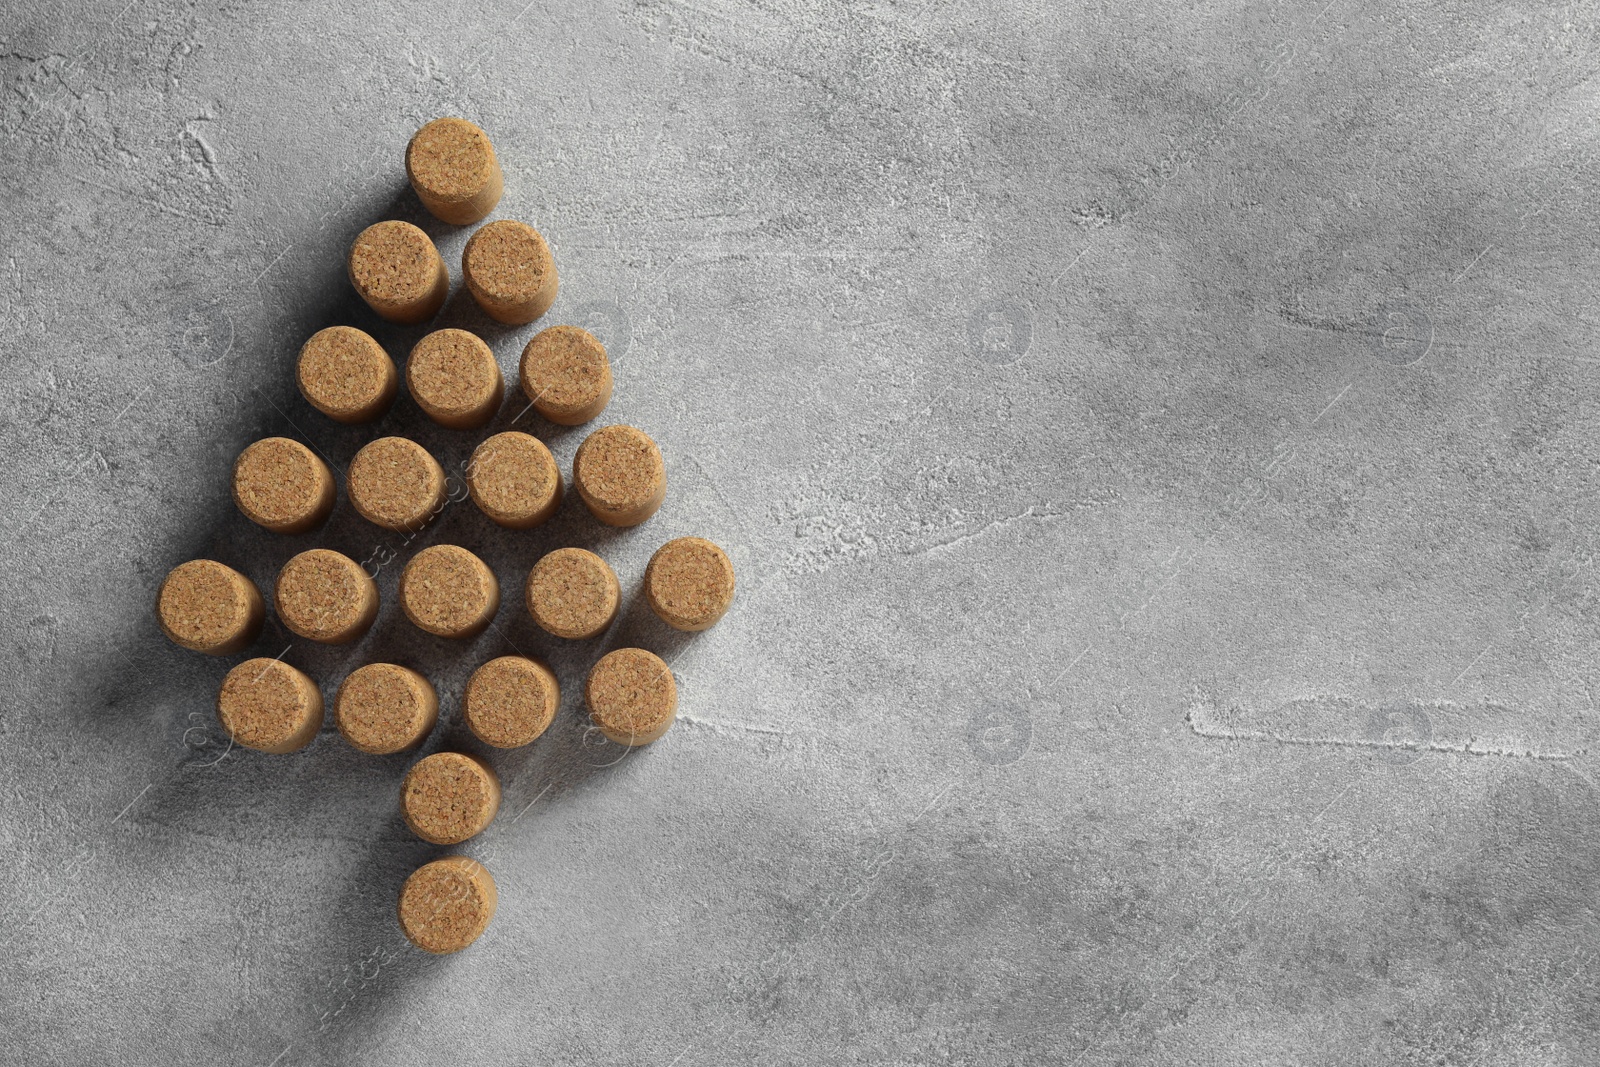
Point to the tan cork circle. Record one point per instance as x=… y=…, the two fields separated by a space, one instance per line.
x=632 y=696
x=267 y=705
x=395 y=483
x=446 y=905
x=510 y=701
x=509 y=271
x=573 y=593
x=206 y=606
x=689 y=583
x=283 y=486
x=453 y=377
x=619 y=475
x=345 y=374
x=449 y=592
x=453 y=168
x=326 y=596
x=449 y=797
x=383 y=708
x=514 y=480
x=396 y=269
x=566 y=375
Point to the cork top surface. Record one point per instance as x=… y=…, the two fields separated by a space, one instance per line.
x=631 y=692
x=449 y=797
x=394 y=263
x=619 y=468
x=265 y=702
x=510 y=701
x=512 y=476
x=395 y=483
x=507 y=261
x=690 y=580
x=343 y=371
x=450 y=158
x=203 y=604
x=277 y=481
x=452 y=373
x=565 y=368
x=572 y=593
x=446 y=905
x=383 y=708
x=321 y=593
x=447 y=590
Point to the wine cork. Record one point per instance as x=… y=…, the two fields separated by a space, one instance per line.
x=453 y=168
x=510 y=701
x=455 y=380
x=398 y=272
x=509 y=271
x=396 y=484
x=573 y=593
x=631 y=695
x=325 y=596
x=514 y=480
x=619 y=474
x=209 y=607
x=282 y=485
x=689 y=583
x=384 y=708
x=449 y=592
x=449 y=797
x=566 y=375
x=446 y=905
x=267 y=705
x=346 y=375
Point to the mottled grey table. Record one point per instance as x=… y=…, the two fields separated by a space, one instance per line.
x=1156 y=445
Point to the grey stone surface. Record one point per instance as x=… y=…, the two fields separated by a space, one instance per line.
x=1156 y=445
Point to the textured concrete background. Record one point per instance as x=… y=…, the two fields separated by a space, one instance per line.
x=1155 y=444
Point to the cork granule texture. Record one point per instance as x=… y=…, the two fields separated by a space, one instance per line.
x=631 y=692
x=203 y=604
x=508 y=261
x=619 y=468
x=383 y=708
x=572 y=593
x=446 y=905
x=448 y=797
x=510 y=701
x=263 y=703
x=513 y=477
x=395 y=483
x=451 y=158
x=565 y=370
x=453 y=373
x=394 y=262
x=343 y=370
x=446 y=590
x=277 y=481
x=689 y=582
x=321 y=594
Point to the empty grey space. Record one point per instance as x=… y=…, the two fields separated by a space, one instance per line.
x=1156 y=448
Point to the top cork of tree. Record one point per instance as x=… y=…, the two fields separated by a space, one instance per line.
x=453 y=168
